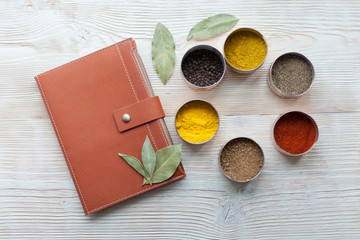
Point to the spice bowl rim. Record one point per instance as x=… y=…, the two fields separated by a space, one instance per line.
x=192 y=100
x=257 y=33
x=288 y=153
x=232 y=179
x=276 y=90
x=209 y=48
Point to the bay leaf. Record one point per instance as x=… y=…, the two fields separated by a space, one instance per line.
x=147 y=182
x=167 y=161
x=136 y=164
x=212 y=26
x=163 y=52
x=148 y=156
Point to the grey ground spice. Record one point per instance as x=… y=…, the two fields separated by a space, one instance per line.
x=292 y=74
x=241 y=159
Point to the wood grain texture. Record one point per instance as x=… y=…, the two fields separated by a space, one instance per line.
x=316 y=196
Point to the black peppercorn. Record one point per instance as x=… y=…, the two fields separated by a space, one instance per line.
x=202 y=68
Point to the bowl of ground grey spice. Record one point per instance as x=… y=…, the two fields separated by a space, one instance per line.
x=203 y=67
x=241 y=160
x=291 y=75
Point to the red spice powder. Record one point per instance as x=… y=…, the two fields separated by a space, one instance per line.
x=295 y=132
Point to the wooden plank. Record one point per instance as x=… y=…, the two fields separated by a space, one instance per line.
x=317 y=192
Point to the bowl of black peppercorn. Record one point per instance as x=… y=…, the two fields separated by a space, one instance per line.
x=203 y=67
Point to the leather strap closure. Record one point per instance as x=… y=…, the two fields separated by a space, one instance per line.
x=138 y=113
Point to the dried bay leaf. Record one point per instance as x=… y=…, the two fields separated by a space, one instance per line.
x=163 y=52
x=212 y=26
x=157 y=167
x=147 y=182
x=148 y=156
x=136 y=164
x=167 y=161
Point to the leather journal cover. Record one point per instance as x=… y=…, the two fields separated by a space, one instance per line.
x=86 y=100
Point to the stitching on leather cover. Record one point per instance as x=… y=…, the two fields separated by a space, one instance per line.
x=156 y=147
x=141 y=191
x=137 y=67
x=127 y=73
x=162 y=132
x=131 y=47
x=132 y=86
x=133 y=58
x=61 y=142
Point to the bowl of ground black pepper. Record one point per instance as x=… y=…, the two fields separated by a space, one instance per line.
x=241 y=160
x=295 y=133
x=291 y=75
x=203 y=67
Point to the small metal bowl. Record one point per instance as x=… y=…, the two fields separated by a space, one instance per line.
x=237 y=70
x=240 y=181
x=209 y=48
x=288 y=153
x=200 y=100
x=276 y=90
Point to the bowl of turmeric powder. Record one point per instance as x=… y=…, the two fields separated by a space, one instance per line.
x=245 y=50
x=197 y=121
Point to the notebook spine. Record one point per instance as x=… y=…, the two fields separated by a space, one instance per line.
x=150 y=90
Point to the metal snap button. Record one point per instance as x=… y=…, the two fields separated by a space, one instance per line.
x=126 y=118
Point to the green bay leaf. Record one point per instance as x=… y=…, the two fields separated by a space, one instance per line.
x=212 y=26
x=136 y=164
x=163 y=52
x=147 y=182
x=148 y=156
x=167 y=161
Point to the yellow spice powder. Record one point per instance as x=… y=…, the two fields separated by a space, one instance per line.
x=245 y=50
x=197 y=121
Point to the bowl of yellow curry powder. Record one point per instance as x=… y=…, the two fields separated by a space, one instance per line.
x=197 y=121
x=245 y=50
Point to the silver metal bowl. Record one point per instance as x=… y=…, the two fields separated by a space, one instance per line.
x=212 y=49
x=240 y=181
x=193 y=100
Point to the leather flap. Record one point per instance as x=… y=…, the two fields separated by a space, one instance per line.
x=138 y=113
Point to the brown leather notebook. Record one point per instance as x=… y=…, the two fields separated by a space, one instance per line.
x=86 y=100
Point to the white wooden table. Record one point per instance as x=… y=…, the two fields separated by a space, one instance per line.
x=316 y=196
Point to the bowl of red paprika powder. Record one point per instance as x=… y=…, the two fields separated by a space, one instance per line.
x=295 y=133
